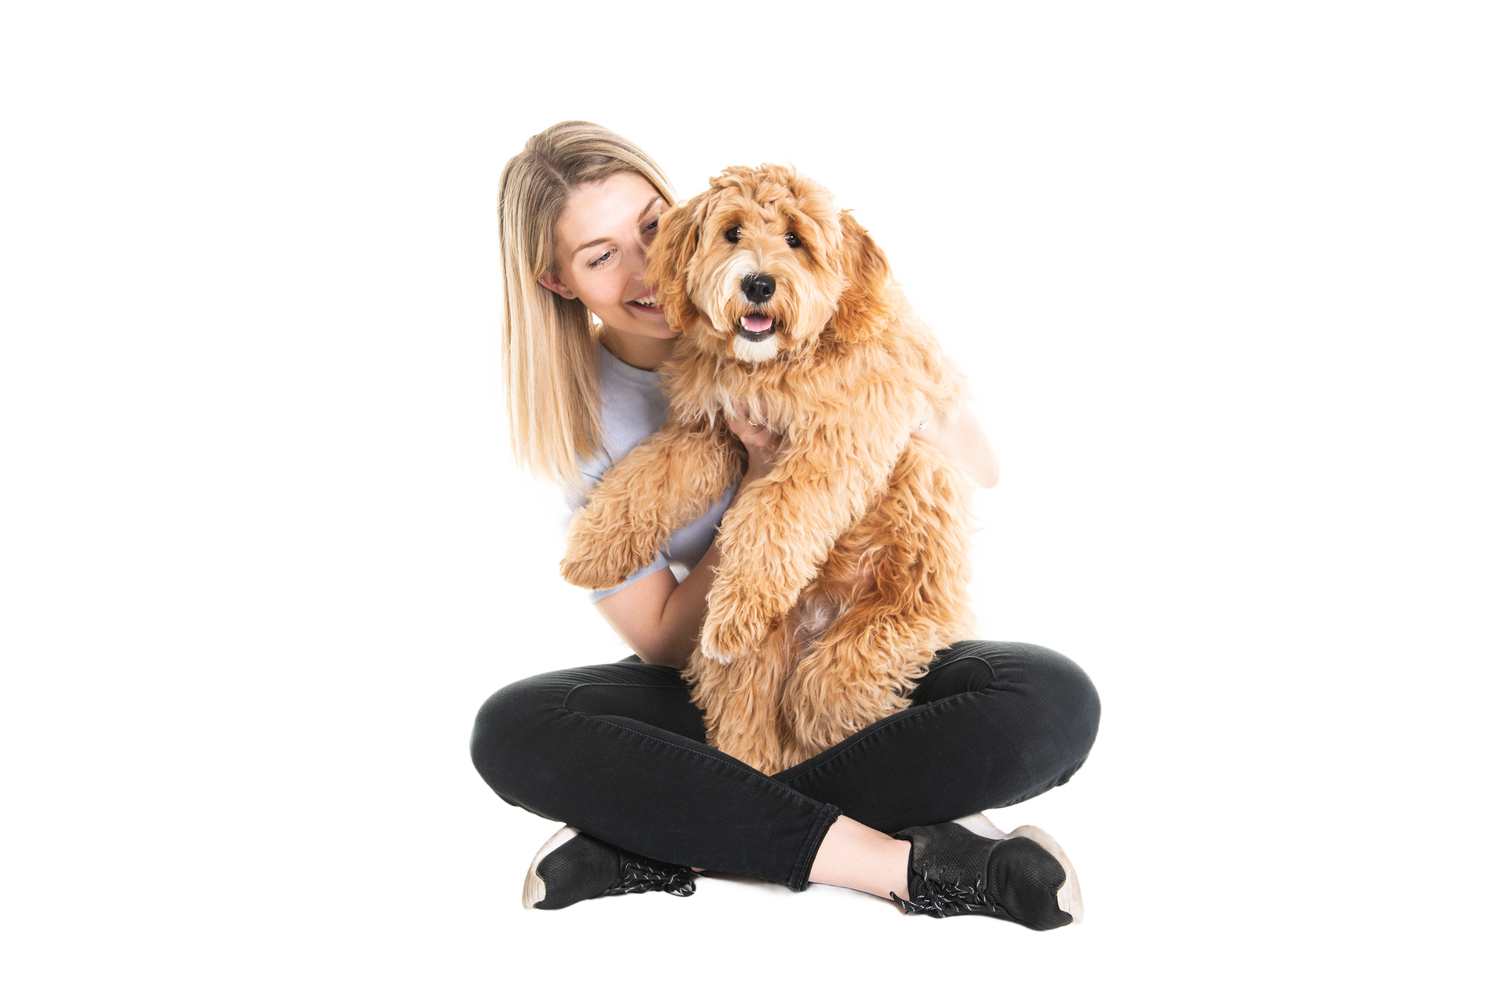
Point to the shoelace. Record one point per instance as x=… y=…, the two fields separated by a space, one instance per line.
x=940 y=898
x=642 y=875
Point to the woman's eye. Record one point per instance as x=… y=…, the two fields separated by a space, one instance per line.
x=732 y=235
x=601 y=259
x=793 y=240
x=651 y=227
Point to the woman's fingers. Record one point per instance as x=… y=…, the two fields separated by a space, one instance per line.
x=750 y=425
x=759 y=439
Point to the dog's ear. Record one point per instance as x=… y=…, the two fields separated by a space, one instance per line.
x=866 y=302
x=671 y=255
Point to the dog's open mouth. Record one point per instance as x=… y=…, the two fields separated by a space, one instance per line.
x=756 y=327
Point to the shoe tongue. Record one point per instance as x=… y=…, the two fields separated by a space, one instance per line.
x=756 y=322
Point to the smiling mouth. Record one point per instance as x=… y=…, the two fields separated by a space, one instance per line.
x=645 y=302
x=756 y=327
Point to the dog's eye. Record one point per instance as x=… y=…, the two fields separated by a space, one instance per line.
x=732 y=235
x=793 y=240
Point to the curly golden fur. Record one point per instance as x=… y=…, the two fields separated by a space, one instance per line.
x=847 y=568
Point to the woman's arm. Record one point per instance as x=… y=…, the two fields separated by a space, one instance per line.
x=659 y=618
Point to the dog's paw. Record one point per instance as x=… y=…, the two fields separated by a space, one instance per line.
x=601 y=566
x=713 y=653
x=733 y=628
x=587 y=574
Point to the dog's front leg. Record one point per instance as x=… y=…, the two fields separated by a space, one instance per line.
x=664 y=483
x=742 y=703
x=783 y=527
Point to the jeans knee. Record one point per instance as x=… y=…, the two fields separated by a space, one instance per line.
x=508 y=726
x=1071 y=698
x=1060 y=695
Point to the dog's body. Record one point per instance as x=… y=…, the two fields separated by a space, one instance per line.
x=847 y=568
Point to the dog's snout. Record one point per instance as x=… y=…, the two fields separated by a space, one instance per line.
x=758 y=288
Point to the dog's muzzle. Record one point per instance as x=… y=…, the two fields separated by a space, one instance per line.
x=758 y=290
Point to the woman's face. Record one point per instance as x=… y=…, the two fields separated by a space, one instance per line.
x=602 y=238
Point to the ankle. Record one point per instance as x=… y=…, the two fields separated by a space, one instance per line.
x=902 y=891
x=855 y=856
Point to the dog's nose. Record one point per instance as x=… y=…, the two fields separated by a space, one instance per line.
x=758 y=288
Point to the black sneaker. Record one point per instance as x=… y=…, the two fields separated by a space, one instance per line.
x=1023 y=876
x=573 y=867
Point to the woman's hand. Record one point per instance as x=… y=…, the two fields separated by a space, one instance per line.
x=761 y=442
x=962 y=439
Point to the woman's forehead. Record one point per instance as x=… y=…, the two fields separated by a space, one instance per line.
x=603 y=210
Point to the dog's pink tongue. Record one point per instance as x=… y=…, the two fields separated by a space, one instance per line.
x=756 y=323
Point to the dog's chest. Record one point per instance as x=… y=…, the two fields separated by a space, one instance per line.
x=825 y=383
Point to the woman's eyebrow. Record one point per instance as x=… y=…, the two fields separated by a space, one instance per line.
x=601 y=240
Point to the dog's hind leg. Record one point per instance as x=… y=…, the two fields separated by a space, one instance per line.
x=667 y=481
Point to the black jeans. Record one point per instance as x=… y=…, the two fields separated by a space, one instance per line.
x=618 y=751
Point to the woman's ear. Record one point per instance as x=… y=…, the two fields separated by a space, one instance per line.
x=549 y=281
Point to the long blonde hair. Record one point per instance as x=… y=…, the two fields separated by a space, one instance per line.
x=550 y=345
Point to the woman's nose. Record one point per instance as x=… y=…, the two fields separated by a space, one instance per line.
x=637 y=257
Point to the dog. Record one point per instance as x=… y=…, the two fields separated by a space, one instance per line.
x=847 y=568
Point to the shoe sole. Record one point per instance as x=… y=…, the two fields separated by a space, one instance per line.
x=1069 y=895
x=535 y=888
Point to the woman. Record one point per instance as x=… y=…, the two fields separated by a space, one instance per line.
x=617 y=751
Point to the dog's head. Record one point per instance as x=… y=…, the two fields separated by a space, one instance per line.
x=762 y=263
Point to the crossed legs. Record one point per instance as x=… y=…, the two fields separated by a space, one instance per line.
x=617 y=751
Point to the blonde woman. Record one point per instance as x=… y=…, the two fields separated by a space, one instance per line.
x=616 y=751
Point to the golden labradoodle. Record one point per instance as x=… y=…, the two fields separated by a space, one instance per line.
x=844 y=570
